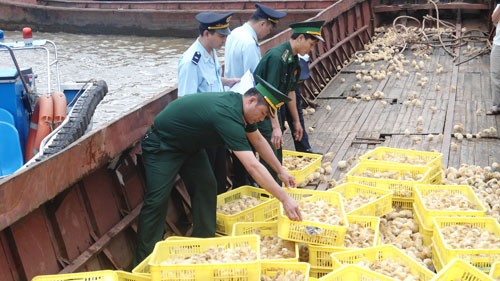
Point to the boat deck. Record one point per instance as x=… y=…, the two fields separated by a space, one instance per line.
x=348 y=129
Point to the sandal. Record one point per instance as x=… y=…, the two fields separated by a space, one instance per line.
x=494 y=110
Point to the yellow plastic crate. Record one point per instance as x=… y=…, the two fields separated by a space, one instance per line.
x=355 y=273
x=143 y=267
x=164 y=250
x=318 y=273
x=263 y=229
x=458 y=269
x=271 y=269
x=266 y=211
x=422 y=229
x=437 y=178
x=377 y=207
x=401 y=188
x=301 y=175
x=102 y=275
x=309 y=231
x=319 y=256
x=402 y=203
x=480 y=258
x=495 y=271
x=380 y=253
x=427 y=214
x=408 y=157
x=437 y=260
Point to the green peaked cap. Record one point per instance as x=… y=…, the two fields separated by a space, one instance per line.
x=308 y=27
x=273 y=96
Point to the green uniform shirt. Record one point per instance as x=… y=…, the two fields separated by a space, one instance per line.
x=198 y=121
x=281 y=69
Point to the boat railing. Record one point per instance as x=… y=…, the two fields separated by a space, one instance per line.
x=50 y=50
x=348 y=26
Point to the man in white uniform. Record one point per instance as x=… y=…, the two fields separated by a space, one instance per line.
x=242 y=50
x=495 y=64
x=242 y=53
x=199 y=71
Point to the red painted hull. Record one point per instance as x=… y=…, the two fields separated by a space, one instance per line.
x=160 y=18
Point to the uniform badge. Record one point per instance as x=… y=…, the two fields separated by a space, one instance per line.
x=284 y=56
x=196 y=58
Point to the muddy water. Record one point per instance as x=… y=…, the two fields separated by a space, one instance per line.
x=135 y=68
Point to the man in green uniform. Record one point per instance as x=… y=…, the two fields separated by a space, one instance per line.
x=176 y=144
x=280 y=67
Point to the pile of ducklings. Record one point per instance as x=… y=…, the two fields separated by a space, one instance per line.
x=401 y=230
x=289 y=275
x=448 y=201
x=359 y=236
x=397 y=269
x=485 y=181
x=238 y=206
x=321 y=211
x=294 y=163
x=273 y=247
x=467 y=236
x=216 y=255
x=358 y=200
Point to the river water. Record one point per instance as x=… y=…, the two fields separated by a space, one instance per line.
x=135 y=68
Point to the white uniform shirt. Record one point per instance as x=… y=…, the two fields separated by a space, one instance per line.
x=198 y=72
x=496 y=39
x=242 y=52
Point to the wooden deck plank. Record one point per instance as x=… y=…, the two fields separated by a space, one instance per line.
x=435 y=118
x=349 y=130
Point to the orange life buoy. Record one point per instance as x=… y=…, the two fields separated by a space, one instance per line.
x=59 y=102
x=40 y=123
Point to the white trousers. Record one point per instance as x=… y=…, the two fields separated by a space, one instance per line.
x=495 y=74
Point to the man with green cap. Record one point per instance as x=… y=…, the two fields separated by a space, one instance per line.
x=176 y=142
x=280 y=67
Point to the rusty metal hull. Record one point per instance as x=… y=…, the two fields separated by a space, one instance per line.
x=156 y=19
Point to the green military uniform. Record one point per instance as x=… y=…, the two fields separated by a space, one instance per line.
x=280 y=67
x=176 y=144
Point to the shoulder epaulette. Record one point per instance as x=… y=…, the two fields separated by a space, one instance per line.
x=285 y=54
x=196 y=58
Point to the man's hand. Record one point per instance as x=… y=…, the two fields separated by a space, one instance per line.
x=291 y=208
x=277 y=138
x=229 y=82
x=287 y=179
x=299 y=131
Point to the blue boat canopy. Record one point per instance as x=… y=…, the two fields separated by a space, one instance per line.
x=8 y=73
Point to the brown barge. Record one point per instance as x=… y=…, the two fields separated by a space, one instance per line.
x=143 y=18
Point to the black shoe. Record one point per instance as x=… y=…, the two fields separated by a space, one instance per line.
x=313 y=152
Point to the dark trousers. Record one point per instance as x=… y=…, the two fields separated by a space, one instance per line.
x=302 y=145
x=162 y=163
x=240 y=174
x=217 y=159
